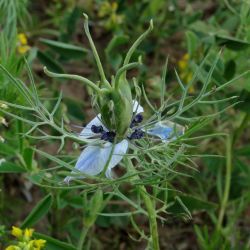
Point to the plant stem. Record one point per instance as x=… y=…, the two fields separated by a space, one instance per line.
x=96 y=56
x=82 y=238
x=227 y=182
x=73 y=77
x=240 y=129
x=150 y=206
x=122 y=70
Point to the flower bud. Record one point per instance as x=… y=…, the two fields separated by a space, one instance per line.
x=118 y=118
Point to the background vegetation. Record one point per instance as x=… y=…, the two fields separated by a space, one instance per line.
x=208 y=206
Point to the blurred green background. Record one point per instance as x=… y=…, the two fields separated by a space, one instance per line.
x=214 y=195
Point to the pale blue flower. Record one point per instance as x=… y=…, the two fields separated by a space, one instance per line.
x=95 y=158
x=166 y=130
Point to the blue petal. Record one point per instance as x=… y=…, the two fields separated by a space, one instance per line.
x=118 y=153
x=94 y=158
x=166 y=130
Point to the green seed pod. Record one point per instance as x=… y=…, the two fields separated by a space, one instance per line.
x=119 y=117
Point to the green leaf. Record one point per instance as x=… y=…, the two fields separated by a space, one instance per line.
x=74 y=108
x=245 y=98
x=231 y=23
x=50 y=63
x=192 y=42
x=115 y=42
x=231 y=43
x=28 y=157
x=244 y=151
x=71 y=24
x=8 y=167
x=36 y=178
x=65 y=50
x=39 y=211
x=153 y=8
x=192 y=203
x=230 y=70
x=53 y=244
x=6 y=149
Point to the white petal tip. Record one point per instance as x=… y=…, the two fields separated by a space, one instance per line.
x=67 y=180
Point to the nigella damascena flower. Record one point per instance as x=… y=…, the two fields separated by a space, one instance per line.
x=95 y=159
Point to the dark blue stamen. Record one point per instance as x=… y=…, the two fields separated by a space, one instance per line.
x=137 y=134
x=108 y=136
x=96 y=129
x=137 y=119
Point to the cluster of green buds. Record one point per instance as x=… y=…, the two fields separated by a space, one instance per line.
x=112 y=99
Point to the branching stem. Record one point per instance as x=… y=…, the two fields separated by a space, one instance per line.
x=150 y=207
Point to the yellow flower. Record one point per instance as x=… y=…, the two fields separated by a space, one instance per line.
x=39 y=244
x=114 y=6
x=186 y=57
x=25 y=240
x=28 y=233
x=23 y=49
x=185 y=74
x=105 y=9
x=22 y=46
x=17 y=232
x=22 y=38
x=109 y=11
x=183 y=63
x=189 y=76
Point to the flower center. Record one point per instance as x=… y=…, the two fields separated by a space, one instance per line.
x=137 y=134
x=105 y=135
x=96 y=129
x=110 y=135
x=136 y=120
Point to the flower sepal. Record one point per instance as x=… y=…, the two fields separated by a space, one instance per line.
x=116 y=111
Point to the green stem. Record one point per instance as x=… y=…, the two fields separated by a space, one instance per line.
x=124 y=70
x=227 y=182
x=150 y=206
x=82 y=238
x=241 y=128
x=73 y=77
x=137 y=43
x=20 y=136
x=96 y=56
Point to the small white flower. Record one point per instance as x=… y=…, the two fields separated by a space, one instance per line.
x=3 y=121
x=3 y=106
x=2 y=139
x=94 y=159
x=2 y=160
